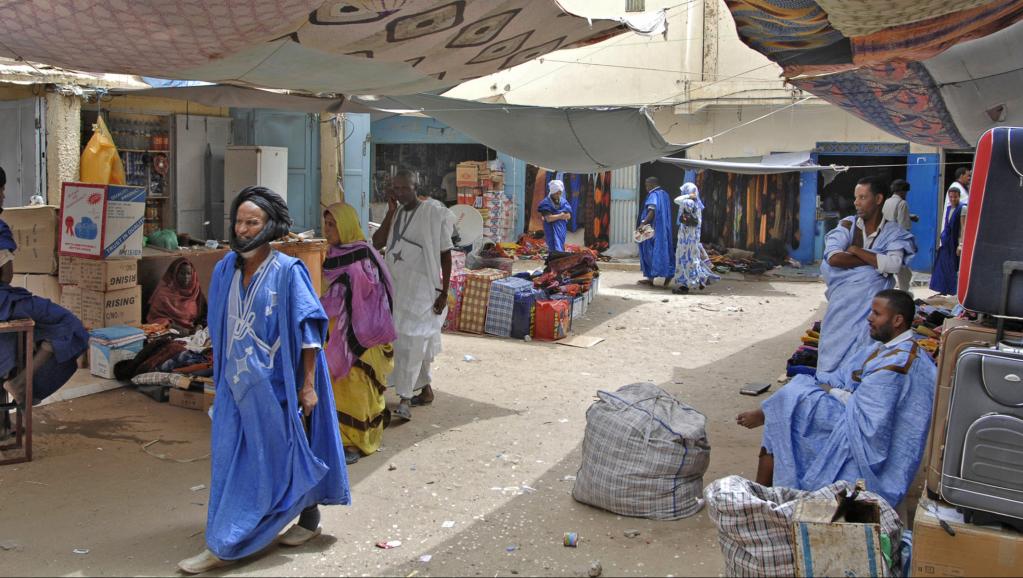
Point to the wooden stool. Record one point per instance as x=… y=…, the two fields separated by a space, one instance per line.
x=23 y=425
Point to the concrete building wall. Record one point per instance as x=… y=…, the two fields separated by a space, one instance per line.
x=63 y=143
x=700 y=80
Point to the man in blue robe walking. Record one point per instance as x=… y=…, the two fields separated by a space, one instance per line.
x=276 y=448
x=872 y=425
x=656 y=254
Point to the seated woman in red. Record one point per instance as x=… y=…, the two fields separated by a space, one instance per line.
x=178 y=301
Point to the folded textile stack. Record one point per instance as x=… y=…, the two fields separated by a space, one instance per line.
x=476 y=298
x=501 y=304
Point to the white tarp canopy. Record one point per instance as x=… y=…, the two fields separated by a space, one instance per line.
x=768 y=165
x=575 y=140
x=350 y=47
x=579 y=140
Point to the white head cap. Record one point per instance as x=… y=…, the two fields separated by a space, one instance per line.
x=555 y=187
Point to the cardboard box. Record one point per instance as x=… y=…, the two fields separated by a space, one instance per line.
x=466 y=175
x=65 y=270
x=111 y=345
x=208 y=397
x=35 y=232
x=101 y=221
x=104 y=309
x=71 y=299
x=108 y=275
x=973 y=551
x=186 y=398
x=850 y=546
x=45 y=286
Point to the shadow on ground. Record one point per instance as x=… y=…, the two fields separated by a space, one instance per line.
x=521 y=537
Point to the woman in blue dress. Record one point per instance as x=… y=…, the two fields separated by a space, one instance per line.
x=692 y=264
x=945 y=278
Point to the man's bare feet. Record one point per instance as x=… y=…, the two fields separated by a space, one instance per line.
x=751 y=419
x=18 y=393
x=645 y=281
x=667 y=281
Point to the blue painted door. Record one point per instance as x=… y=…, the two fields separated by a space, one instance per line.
x=357 y=148
x=924 y=201
x=300 y=133
x=807 y=251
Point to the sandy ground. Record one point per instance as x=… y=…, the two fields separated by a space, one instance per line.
x=490 y=455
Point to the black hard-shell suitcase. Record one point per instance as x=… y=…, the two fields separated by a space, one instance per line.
x=982 y=469
x=994 y=223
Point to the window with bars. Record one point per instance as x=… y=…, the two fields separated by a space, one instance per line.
x=635 y=5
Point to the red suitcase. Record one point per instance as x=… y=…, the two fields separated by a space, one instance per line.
x=994 y=223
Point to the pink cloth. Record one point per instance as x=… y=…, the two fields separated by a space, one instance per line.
x=363 y=285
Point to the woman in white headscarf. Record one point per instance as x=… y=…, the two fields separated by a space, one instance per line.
x=692 y=264
x=556 y=213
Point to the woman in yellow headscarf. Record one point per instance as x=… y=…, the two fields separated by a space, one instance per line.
x=357 y=297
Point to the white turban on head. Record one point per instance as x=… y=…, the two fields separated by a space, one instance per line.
x=555 y=187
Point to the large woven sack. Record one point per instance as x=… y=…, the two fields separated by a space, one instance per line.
x=644 y=454
x=755 y=524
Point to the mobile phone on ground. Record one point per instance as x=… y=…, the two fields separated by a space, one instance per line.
x=754 y=388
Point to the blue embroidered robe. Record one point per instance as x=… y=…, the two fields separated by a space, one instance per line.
x=879 y=435
x=266 y=466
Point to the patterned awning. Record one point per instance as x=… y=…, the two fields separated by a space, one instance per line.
x=906 y=66
x=353 y=46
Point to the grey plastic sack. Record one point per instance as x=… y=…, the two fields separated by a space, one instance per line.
x=644 y=454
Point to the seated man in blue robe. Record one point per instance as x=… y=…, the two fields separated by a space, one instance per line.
x=276 y=448
x=872 y=425
x=59 y=335
x=862 y=256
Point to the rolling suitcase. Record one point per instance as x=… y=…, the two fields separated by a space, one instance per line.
x=956 y=336
x=993 y=222
x=982 y=469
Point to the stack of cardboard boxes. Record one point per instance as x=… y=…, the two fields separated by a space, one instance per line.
x=35 y=261
x=100 y=244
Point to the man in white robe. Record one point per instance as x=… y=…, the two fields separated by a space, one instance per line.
x=416 y=239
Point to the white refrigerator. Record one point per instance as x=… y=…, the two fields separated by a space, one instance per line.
x=247 y=166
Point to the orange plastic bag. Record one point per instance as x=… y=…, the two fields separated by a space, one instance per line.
x=100 y=162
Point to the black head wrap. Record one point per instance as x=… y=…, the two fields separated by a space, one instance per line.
x=278 y=221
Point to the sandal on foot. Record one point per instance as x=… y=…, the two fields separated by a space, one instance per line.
x=352 y=455
x=680 y=290
x=297 y=535
x=403 y=411
x=202 y=563
x=420 y=400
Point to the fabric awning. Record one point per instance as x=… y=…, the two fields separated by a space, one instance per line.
x=574 y=140
x=930 y=72
x=353 y=47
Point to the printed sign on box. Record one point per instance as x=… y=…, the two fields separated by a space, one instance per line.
x=102 y=221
